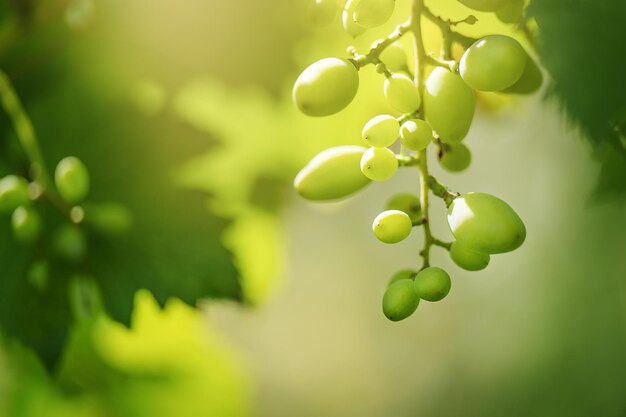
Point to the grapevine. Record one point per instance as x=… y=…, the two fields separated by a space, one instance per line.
x=434 y=107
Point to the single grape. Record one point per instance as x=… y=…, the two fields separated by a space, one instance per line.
x=416 y=134
x=38 y=274
x=484 y=5
x=455 y=157
x=72 y=179
x=448 y=105
x=392 y=226
x=379 y=164
x=381 y=131
x=347 y=19
x=326 y=87
x=400 y=275
x=394 y=57
x=511 y=11
x=493 y=63
x=530 y=81
x=432 y=284
x=26 y=224
x=467 y=258
x=372 y=13
x=408 y=203
x=332 y=174
x=485 y=223
x=69 y=243
x=402 y=93
x=13 y=193
x=400 y=300
x=322 y=12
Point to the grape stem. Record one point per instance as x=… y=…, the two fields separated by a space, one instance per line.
x=371 y=57
x=449 y=35
x=28 y=140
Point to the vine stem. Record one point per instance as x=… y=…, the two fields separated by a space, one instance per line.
x=28 y=140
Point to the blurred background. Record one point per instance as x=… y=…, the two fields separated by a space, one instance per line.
x=183 y=115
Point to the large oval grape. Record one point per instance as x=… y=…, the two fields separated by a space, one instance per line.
x=416 y=134
x=379 y=164
x=402 y=94
x=13 y=193
x=493 y=63
x=530 y=80
x=485 y=223
x=392 y=226
x=400 y=300
x=381 y=131
x=484 y=5
x=26 y=224
x=468 y=258
x=455 y=157
x=432 y=284
x=72 y=179
x=448 y=105
x=332 y=174
x=326 y=87
x=372 y=13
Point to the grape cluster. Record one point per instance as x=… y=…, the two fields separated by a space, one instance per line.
x=433 y=108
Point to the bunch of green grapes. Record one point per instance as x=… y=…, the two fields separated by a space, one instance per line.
x=433 y=108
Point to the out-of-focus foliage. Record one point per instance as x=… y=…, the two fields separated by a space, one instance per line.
x=169 y=362
x=581 y=44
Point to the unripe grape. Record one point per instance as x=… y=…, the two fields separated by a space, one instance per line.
x=394 y=57
x=402 y=93
x=26 y=224
x=400 y=300
x=322 y=12
x=468 y=258
x=372 y=13
x=485 y=223
x=432 y=284
x=530 y=81
x=72 y=179
x=392 y=226
x=416 y=134
x=13 y=193
x=511 y=11
x=332 y=174
x=70 y=243
x=448 y=105
x=379 y=164
x=381 y=131
x=326 y=87
x=484 y=5
x=400 y=275
x=455 y=157
x=408 y=203
x=347 y=19
x=493 y=63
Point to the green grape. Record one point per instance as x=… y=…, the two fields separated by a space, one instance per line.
x=432 y=284
x=70 y=243
x=326 y=87
x=13 y=193
x=322 y=12
x=467 y=258
x=381 y=131
x=332 y=174
x=455 y=157
x=347 y=19
x=402 y=93
x=530 y=81
x=72 y=179
x=408 y=203
x=379 y=164
x=484 y=5
x=400 y=275
x=400 y=300
x=448 y=105
x=26 y=224
x=372 y=13
x=416 y=134
x=511 y=11
x=392 y=226
x=485 y=223
x=394 y=57
x=38 y=274
x=493 y=63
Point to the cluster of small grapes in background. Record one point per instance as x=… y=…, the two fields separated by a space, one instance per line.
x=431 y=109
